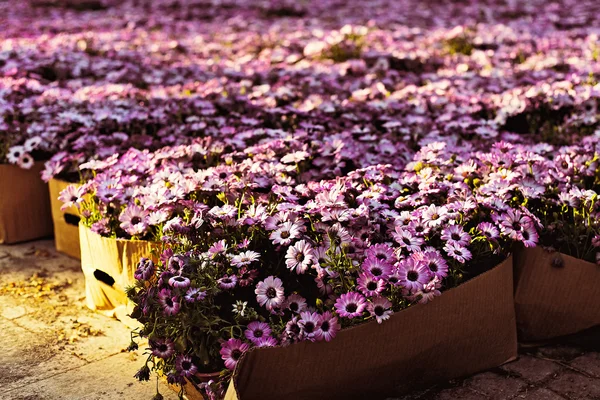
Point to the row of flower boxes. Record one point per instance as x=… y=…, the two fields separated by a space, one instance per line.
x=469 y=328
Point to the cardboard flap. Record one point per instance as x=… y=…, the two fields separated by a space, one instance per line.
x=108 y=265
x=66 y=224
x=24 y=204
x=555 y=294
x=467 y=329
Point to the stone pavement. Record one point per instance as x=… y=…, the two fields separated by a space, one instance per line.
x=53 y=347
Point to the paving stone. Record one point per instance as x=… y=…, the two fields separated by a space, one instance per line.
x=539 y=394
x=575 y=386
x=457 y=393
x=495 y=386
x=532 y=369
x=108 y=379
x=589 y=363
x=560 y=352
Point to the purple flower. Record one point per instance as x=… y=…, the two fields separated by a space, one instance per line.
x=257 y=330
x=231 y=351
x=369 y=285
x=71 y=196
x=350 y=305
x=413 y=274
x=309 y=323
x=379 y=308
x=488 y=230
x=245 y=258
x=185 y=366
x=133 y=220
x=329 y=326
x=456 y=235
x=163 y=348
x=144 y=270
x=436 y=263
x=459 y=253
x=407 y=240
x=180 y=282
x=169 y=303
x=300 y=256
x=377 y=267
x=295 y=303
x=227 y=282
x=270 y=293
x=266 y=341
x=194 y=294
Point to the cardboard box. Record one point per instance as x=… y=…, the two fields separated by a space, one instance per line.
x=66 y=223
x=555 y=294
x=467 y=329
x=24 y=204
x=108 y=266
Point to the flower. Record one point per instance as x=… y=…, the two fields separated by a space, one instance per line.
x=269 y=293
x=266 y=341
x=413 y=274
x=169 y=303
x=456 y=235
x=257 y=330
x=329 y=326
x=231 y=351
x=145 y=269
x=350 y=305
x=193 y=294
x=407 y=240
x=239 y=308
x=185 y=366
x=245 y=258
x=227 y=282
x=379 y=307
x=295 y=303
x=300 y=256
x=377 y=267
x=309 y=323
x=459 y=253
x=180 y=282
x=133 y=220
x=369 y=285
x=162 y=348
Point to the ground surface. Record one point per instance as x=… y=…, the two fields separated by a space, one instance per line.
x=53 y=347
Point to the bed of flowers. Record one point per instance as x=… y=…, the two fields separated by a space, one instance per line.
x=308 y=166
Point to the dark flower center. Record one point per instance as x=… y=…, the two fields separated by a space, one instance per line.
x=226 y=280
x=393 y=279
x=378 y=311
x=162 y=348
x=381 y=256
x=258 y=333
x=433 y=266
x=294 y=306
x=325 y=326
x=376 y=271
x=406 y=240
x=271 y=293
x=412 y=276
x=223 y=175
x=285 y=234
x=136 y=220
x=434 y=217
x=300 y=257
x=309 y=327
x=455 y=236
x=186 y=365
x=169 y=302
x=235 y=354
x=352 y=307
x=372 y=285
x=516 y=226
x=419 y=228
x=74 y=198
